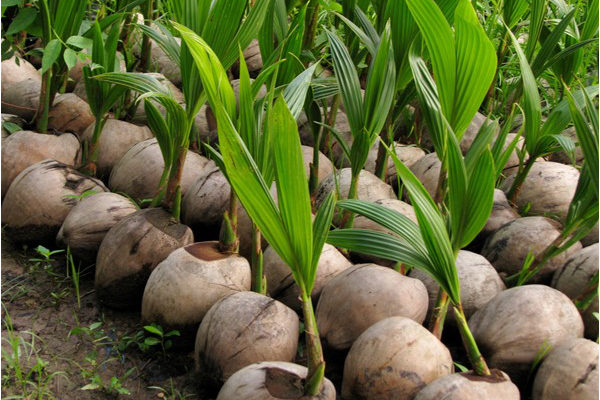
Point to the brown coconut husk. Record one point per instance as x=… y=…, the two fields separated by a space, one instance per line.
x=512 y=327
x=14 y=73
x=116 y=138
x=140 y=113
x=408 y=154
x=427 y=170
x=576 y=274
x=242 y=329
x=272 y=380
x=70 y=114
x=569 y=372
x=325 y=165
x=394 y=359
x=40 y=198
x=469 y=386
x=508 y=247
x=362 y=295
x=21 y=98
x=479 y=283
x=235 y=84
x=139 y=170
x=281 y=284
x=131 y=249
x=25 y=148
x=253 y=60
x=186 y=284
x=88 y=222
x=12 y=119
x=502 y=213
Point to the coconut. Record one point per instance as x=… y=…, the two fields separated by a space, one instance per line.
x=272 y=380
x=502 y=213
x=21 y=98
x=334 y=149
x=427 y=170
x=370 y=188
x=10 y=119
x=241 y=329
x=479 y=283
x=325 y=165
x=235 y=85
x=25 y=148
x=205 y=202
x=131 y=249
x=185 y=285
x=590 y=321
x=508 y=247
x=512 y=327
x=90 y=220
x=394 y=359
x=408 y=154
x=562 y=157
x=115 y=139
x=138 y=173
x=40 y=197
x=575 y=275
x=159 y=59
x=469 y=386
x=591 y=237
x=253 y=58
x=471 y=132
x=569 y=372
x=70 y=114
x=362 y=295
x=140 y=112
x=281 y=284
x=15 y=70
x=548 y=188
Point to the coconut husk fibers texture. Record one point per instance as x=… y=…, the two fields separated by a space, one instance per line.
x=394 y=359
x=569 y=372
x=281 y=284
x=272 y=380
x=468 y=386
x=25 y=148
x=362 y=295
x=512 y=327
x=185 y=285
x=242 y=329
x=115 y=139
x=21 y=98
x=579 y=270
x=70 y=114
x=502 y=213
x=88 y=222
x=131 y=250
x=40 y=198
x=427 y=171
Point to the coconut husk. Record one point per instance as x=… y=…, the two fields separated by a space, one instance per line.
x=70 y=114
x=15 y=73
x=362 y=295
x=325 y=165
x=427 y=170
x=131 y=250
x=241 y=329
x=575 y=275
x=40 y=198
x=468 y=386
x=502 y=213
x=186 y=284
x=13 y=119
x=25 y=148
x=394 y=359
x=88 y=222
x=21 y=98
x=408 y=154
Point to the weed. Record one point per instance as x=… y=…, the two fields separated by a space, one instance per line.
x=170 y=393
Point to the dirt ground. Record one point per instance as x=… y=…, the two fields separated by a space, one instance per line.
x=54 y=349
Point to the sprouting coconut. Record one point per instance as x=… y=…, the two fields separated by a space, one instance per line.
x=502 y=213
x=468 y=386
x=394 y=359
x=272 y=380
x=14 y=73
x=25 y=148
x=370 y=188
x=185 y=285
x=70 y=114
x=138 y=173
x=117 y=137
x=325 y=165
x=159 y=60
x=140 y=113
x=280 y=282
x=577 y=273
x=513 y=326
x=242 y=329
x=427 y=170
x=569 y=372
x=479 y=283
x=562 y=157
x=131 y=249
x=21 y=98
x=40 y=197
x=205 y=202
x=362 y=295
x=548 y=188
x=88 y=222
x=508 y=247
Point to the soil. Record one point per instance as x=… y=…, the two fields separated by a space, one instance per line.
x=40 y=313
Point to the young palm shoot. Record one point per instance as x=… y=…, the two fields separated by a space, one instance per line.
x=101 y=96
x=366 y=116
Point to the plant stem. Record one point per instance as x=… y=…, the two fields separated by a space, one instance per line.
x=229 y=241
x=310 y=22
x=316 y=362
x=519 y=179
x=438 y=317
x=146 y=51
x=257 y=262
x=477 y=361
x=45 y=102
x=348 y=216
x=174 y=178
x=92 y=155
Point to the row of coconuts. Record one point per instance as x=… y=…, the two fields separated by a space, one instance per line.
x=368 y=314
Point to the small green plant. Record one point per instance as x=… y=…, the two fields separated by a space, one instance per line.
x=46 y=260
x=160 y=337
x=171 y=393
x=91 y=373
x=74 y=273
